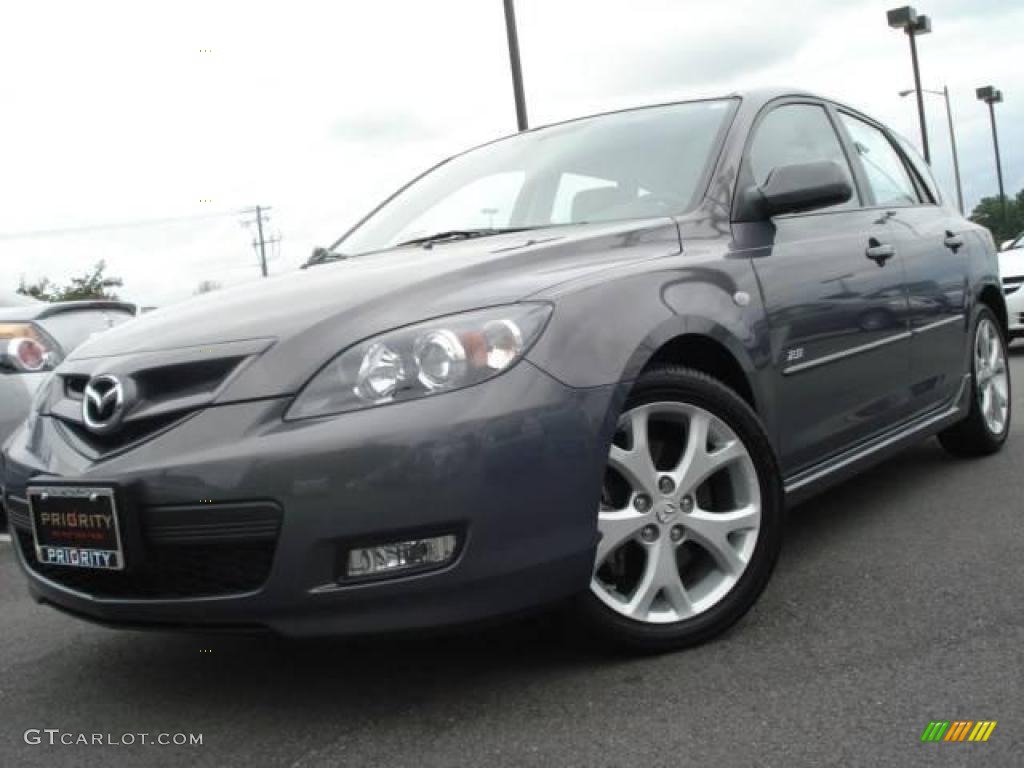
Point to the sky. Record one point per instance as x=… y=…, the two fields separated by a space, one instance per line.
x=137 y=132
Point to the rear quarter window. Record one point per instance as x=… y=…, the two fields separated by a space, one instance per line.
x=920 y=167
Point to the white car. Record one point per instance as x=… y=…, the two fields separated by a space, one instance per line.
x=1011 y=269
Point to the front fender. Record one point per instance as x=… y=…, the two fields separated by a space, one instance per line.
x=605 y=332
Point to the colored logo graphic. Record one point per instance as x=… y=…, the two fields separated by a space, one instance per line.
x=958 y=730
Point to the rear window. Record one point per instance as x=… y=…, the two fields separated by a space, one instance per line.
x=15 y=300
x=74 y=327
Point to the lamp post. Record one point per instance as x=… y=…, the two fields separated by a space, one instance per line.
x=517 y=69
x=993 y=96
x=952 y=141
x=907 y=19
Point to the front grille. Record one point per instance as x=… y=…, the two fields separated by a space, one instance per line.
x=228 y=553
x=160 y=389
x=129 y=434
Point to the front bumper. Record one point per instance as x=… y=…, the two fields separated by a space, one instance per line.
x=1015 y=310
x=513 y=465
x=16 y=393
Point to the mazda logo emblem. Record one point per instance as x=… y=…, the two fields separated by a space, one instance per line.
x=103 y=404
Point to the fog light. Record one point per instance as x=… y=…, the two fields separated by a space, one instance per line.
x=399 y=556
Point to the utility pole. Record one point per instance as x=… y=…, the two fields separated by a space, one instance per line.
x=263 y=250
x=517 y=69
x=260 y=242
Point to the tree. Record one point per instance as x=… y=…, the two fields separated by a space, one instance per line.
x=92 y=285
x=989 y=213
x=207 y=286
x=42 y=289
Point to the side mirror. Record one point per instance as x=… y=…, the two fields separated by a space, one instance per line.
x=1005 y=246
x=797 y=188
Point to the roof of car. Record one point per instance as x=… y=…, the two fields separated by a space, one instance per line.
x=764 y=95
x=31 y=309
x=753 y=99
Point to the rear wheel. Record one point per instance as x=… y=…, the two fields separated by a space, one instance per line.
x=988 y=422
x=691 y=513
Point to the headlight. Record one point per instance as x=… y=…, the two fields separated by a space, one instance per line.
x=432 y=357
x=26 y=348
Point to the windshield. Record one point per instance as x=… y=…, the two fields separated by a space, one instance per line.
x=624 y=165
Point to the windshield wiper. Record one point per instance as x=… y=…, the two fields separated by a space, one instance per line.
x=459 y=234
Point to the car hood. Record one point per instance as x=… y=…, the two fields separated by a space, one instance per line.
x=309 y=316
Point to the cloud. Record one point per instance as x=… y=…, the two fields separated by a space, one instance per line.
x=383 y=127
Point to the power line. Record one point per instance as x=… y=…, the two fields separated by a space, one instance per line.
x=133 y=224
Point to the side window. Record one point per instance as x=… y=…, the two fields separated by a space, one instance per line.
x=887 y=175
x=797 y=133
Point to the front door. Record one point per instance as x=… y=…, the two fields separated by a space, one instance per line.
x=833 y=288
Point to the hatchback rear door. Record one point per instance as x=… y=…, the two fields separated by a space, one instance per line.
x=934 y=249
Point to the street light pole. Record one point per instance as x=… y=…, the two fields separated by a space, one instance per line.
x=993 y=96
x=517 y=69
x=952 y=141
x=907 y=19
x=920 y=96
x=952 y=144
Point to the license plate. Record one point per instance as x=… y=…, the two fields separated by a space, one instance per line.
x=76 y=527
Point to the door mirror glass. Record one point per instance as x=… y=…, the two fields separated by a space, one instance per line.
x=802 y=187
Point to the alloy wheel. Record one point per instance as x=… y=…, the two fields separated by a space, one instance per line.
x=680 y=514
x=991 y=376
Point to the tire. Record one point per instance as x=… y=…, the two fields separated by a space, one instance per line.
x=979 y=434
x=721 y=535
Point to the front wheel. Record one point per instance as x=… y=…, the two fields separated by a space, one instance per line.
x=987 y=424
x=691 y=514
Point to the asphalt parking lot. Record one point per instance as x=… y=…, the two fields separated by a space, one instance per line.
x=898 y=601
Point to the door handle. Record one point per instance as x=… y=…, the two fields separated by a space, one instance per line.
x=878 y=252
x=953 y=241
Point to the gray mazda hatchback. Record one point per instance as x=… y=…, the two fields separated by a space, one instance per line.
x=589 y=362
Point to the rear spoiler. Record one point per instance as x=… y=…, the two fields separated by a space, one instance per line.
x=70 y=306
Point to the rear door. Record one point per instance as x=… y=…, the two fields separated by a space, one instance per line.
x=833 y=289
x=934 y=249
